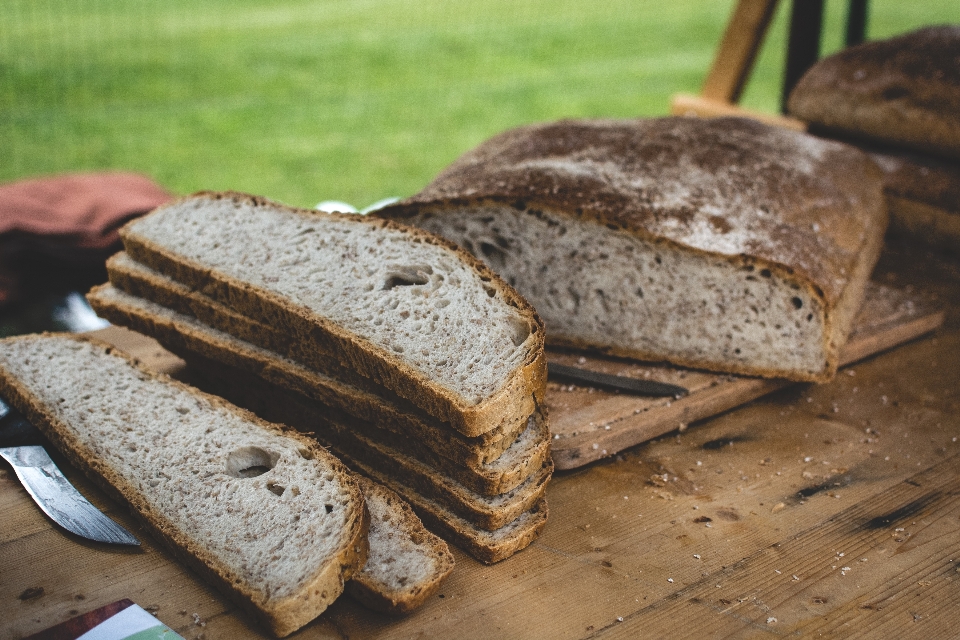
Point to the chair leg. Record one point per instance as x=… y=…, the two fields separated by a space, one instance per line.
x=803 y=47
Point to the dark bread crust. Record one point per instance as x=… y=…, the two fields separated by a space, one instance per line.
x=903 y=91
x=923 y=194
x=282 y=617
x=809 y=211
x=516 y=398
x=920 y=178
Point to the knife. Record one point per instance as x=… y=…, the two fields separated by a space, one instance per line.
x=610 y=381
x=48 y=487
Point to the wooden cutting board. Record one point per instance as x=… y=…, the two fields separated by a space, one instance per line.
x=588 y=424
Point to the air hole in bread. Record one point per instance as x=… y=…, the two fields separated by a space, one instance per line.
x=407 y=276
x=797 y=302
x=305 y=453
x=250 y=462
x=275 y=488
x=328 y=507
x=521 y=331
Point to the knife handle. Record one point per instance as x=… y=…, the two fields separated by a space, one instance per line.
x=17 y=431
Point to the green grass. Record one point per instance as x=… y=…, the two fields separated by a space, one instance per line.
x=347 y=99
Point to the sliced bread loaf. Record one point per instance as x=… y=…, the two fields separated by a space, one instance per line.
x=280 y=543
x=406 y=563
x=400 y=306
x=724 y=244
x=345 y=385
x=189 y=338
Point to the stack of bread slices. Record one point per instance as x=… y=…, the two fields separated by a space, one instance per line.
x=410 y=359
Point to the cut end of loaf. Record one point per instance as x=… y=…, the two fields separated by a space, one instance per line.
x=611 y=290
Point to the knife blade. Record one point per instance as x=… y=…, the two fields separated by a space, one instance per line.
x=49 y=488
x=609 y=381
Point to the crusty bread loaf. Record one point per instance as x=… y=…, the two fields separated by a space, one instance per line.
x=346 y=389
x=406 y=563
x=496 y=467
x=395 y=304
x=903 y=91
x=724 y=244
x=281 y=543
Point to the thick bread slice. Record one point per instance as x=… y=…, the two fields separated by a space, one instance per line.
x=183 y=334
x=281 y=543
x=279 y=405
x=395 y=304
x=724 y=244
x=406 y=564
x=903 y=91
x=141 y=281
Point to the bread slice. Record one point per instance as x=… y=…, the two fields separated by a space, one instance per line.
x=406 y=563
x=395 y=304
x=281 y=543
x=903 y=91
x=189 y=338
x=724 y=244
x=344 y=385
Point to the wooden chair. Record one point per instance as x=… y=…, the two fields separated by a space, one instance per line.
x=739 y=48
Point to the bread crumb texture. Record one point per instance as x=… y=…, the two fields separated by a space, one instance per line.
x=414 y=297
x=252 y=498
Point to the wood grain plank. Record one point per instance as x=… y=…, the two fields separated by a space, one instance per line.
x=902 y=543
x=738 y=49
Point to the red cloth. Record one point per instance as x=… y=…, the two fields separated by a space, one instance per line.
x=68 y=219
x=83 y=209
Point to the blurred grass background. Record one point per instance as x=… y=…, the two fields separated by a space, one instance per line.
x=349 y=99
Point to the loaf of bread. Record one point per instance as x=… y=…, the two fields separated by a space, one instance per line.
x=903 y=91
x=394 y=304
x=406 y=563
x=724 y=244
x=263 y=512
x=488 y=512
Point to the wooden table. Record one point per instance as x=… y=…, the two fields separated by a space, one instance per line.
x=819 y=510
